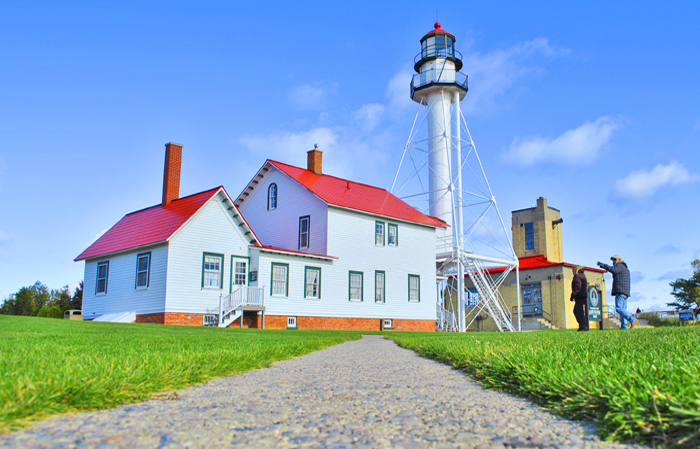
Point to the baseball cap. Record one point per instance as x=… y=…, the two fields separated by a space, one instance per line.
x=616 y=257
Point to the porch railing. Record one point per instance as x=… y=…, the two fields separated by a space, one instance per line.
x=242 y=296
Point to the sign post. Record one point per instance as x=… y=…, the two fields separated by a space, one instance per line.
x=594 y=304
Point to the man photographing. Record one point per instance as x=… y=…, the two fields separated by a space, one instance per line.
x=620 y=289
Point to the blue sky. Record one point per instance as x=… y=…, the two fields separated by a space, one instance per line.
x=594 y=106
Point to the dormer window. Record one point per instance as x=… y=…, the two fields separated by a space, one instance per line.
x=272 y=197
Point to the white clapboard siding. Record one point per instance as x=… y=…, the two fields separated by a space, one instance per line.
x=351 y=239
x=122 y=294
x=280 y=227
x=211 y=230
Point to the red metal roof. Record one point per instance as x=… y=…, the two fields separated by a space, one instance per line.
x=438 y=30
x=294 y=253
x=147 y=226
x=540 y=261
x=352 y=195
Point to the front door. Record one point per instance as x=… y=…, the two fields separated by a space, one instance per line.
x=531 y=299
x=240 y=272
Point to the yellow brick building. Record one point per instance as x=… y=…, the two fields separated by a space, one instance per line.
x=545 y=279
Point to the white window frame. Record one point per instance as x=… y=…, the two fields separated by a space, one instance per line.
x=275 y=283
x=272 y=199
x=98 y=278
x=395 y=228
x=291 y=322
x=379 y=235
x=206 y=280
x=351 y=289
x=387 y=324
x=307 y=234
x=413 y=297
x=147 y=271
x=308 y=285
x=377 y=288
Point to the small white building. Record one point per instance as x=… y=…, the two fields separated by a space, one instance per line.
x=313 y=252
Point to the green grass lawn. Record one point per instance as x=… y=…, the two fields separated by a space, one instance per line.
x=50 y=366
x=641 y=385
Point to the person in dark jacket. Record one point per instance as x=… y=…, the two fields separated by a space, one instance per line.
x=620 y=289
x=579 y=294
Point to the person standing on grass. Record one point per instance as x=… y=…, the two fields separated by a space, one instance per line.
x=579 y=294
x=620 y=289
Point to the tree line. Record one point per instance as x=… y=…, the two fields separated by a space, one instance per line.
x=38 y=300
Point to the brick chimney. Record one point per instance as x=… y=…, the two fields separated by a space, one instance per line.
x=314 y=160
x=171 y=174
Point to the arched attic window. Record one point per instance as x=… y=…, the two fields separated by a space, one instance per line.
x=272 y=197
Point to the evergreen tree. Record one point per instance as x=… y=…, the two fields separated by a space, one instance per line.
x=687 y=291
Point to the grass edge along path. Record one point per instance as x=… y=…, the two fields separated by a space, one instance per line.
x=50 y=367
x=641 y=385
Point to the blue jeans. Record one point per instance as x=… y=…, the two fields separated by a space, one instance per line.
x=621 y=309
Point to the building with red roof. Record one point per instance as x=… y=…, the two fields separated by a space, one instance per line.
x=297 y=249
x=545 y=279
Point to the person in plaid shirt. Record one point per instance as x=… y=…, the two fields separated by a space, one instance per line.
x=620 y=289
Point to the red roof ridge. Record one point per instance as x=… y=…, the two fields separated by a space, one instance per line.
x=366 y=198
x=334 y=177
x=183 y=198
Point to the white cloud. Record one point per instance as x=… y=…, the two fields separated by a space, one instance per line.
x=675 y=274
x=576 y=146
x=398 y=91
x=309 y=96
x=291 y=148
x=369 y=116
x=492 y=74
x=641 y=184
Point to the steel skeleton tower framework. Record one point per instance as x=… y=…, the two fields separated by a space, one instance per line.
x=476 y=243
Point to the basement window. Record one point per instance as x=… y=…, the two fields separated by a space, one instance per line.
x=387 y=324
x=211 y=320
x=291 y=322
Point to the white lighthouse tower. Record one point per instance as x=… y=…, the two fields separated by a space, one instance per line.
x=475 y=248
x=437 y=86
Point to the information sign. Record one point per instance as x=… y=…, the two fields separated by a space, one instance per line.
x=594 y=303
x=685 y=315
x=253 y=276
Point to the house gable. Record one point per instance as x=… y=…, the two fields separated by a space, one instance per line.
x=279 y=226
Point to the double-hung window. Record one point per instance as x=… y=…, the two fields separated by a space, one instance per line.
x=272 y=197
x=279 y=286
x=355 y=286
x=304 y=224
x=212 y=270
x=393 y=234
x=143 y=268
x=379 y=233
x=102 y=274
x=379 y=286
x=312 y=283
x=413 y=288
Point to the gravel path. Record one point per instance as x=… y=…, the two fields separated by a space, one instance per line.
x=367 y=393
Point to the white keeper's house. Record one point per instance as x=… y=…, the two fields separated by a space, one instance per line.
x=296 y=249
